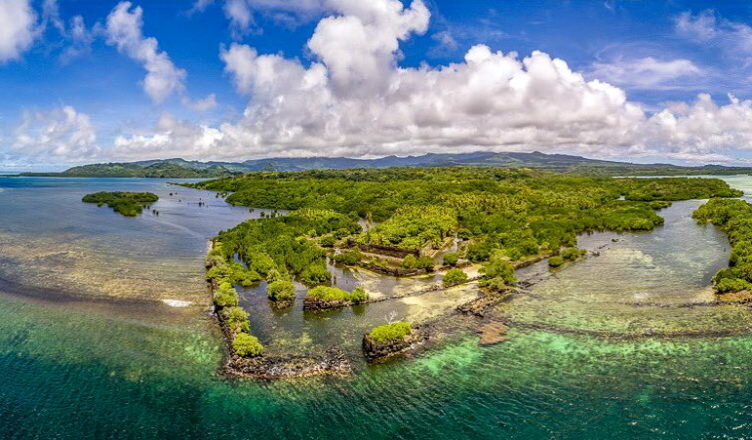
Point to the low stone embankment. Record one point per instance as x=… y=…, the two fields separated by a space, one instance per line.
x=269 y=367
x=381 y=351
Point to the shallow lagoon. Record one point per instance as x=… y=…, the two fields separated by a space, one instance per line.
x=141 y=369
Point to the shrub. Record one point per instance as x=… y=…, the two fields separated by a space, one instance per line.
x=498 y=273
x=226 y=296
x=480 y=250
x=315 y=274
x=214 y=258
x=451 y=258
x=278 y=275
x=726 y=285
x=555 y=261
x=409 y=262
x=247 y=345
x=572 y=254
x=260 y=263
x=424 y=263
x=350 y=257
x=659 y=204
x=326 y=293
x=327 y=241
x=413 y=262
x=454 y=276
x=233 y=273
x=280 y=290
x=358 y=295
x=495 y=284
x=390 y=332
x=236 y=318
x=499 y=267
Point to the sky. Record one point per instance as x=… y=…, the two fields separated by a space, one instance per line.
x=84 y=81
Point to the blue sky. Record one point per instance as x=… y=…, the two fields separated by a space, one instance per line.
x=85 y=81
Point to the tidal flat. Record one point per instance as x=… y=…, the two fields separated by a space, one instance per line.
x=89 y=348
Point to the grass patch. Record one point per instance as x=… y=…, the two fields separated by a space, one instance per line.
x=391 y=332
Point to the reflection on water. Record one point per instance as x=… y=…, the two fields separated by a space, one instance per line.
x=102 y=370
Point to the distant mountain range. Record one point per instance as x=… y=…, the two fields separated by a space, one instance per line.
x=180 y=168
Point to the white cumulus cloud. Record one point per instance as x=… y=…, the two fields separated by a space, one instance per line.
x=702 y=127
x=61 y=134
x=123 y=30
x=354 y=99
x=18 y=28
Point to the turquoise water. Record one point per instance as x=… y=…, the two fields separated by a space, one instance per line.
x=89 y=349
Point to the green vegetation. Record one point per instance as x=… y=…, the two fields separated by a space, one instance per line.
x=234 y=273
x=281 y=290
x=129 y=204
x=672 y=189
x=413 y=228
x=413 y=262
x=223 y=275
x=454 y=276
x=498 y=274
x=501 y=218
x=451 y=258
x=327 y=241
x=335 y=294
x=247 y=345
x=517 y=214
x=315 y=274
x=391 y=332
x=572 y=254
x=351 y=258
x=556 y=261
x=735 y=218
x=536 y=160
x=568 y=254
x=236 y=318
x=226 y=295
x=280 y=247
x=158 y=169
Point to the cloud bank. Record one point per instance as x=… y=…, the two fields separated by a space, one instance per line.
x=353 y=98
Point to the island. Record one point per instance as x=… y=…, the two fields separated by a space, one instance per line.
x=129 y=204
x=467 y=227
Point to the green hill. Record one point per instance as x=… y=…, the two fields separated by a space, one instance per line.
x=180 y=168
